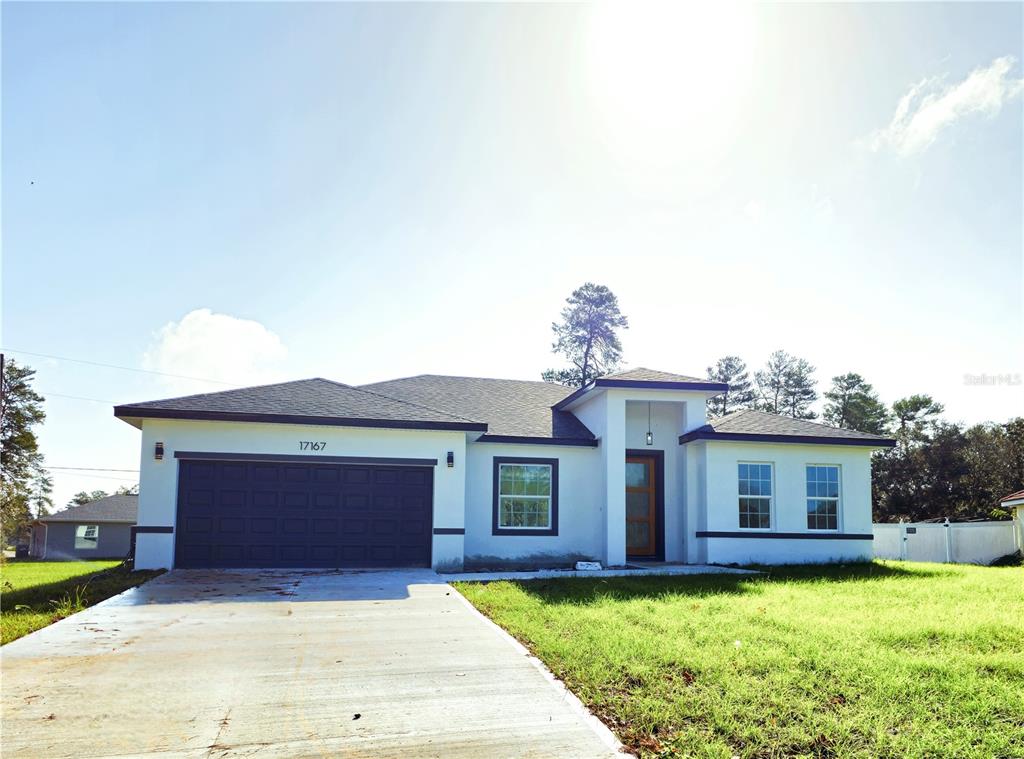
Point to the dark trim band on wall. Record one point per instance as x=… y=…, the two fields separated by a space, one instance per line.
x=536 y=440
x=743 y=437
x=129 y=412
x=449 y=531
x=790 y=535
x=552 y=529
x=148 y=529
x=310 y=459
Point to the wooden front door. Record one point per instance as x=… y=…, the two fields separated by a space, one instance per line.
x=641 y=502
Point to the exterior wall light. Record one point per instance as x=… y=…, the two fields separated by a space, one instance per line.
x=451 y=459
x=158 y=451
x=650 y=435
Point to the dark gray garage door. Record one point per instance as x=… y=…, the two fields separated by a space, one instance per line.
x=294 y=514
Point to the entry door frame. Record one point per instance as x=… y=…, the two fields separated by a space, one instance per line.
x=659 y=501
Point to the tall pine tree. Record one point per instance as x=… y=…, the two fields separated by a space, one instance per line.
x=733 y=371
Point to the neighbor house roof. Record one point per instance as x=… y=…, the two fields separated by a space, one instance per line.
x=758 y=426
x=512 y=408
x=309 y=401
x=113 y=508
x=1013 y=498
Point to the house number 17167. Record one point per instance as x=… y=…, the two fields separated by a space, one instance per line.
x=312 y=445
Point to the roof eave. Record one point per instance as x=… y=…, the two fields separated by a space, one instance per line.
x=528 y=440
x=84 y=520
x=712 y=388
x=131 y=414
x=759 y=437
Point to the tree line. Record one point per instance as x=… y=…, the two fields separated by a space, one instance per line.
x=26 y=486
x=938 y=468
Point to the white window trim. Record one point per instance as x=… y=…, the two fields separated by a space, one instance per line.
x=838 y=499
x=548 y=498
x=95 y=544
x=771 y=498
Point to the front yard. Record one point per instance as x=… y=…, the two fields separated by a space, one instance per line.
x=34 y=594
x=882 y=659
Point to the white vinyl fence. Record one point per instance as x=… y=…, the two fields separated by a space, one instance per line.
x=957 y=542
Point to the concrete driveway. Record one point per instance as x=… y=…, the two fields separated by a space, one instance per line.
x=282 y=663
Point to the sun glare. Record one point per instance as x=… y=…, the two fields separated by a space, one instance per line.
x=669 y=74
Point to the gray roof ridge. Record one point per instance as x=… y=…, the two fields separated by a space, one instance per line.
x=402 y=402
x=468 y=377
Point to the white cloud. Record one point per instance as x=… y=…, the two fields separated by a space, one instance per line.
x=217 y=347
x=755 y=211
x=931 y=106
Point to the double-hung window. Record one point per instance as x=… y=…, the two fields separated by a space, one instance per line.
x=525 y=496
x=87 y=536
x=822 y=497
x=755 y=494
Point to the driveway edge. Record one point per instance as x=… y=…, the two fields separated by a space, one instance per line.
x=601 y=730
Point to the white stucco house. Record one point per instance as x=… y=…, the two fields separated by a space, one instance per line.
x=463 y=472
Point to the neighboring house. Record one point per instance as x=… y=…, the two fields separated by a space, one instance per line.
x=1015 y=503
x=456 y=472
x=100 y=529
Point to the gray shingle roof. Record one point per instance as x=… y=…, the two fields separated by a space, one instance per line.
x=642 y=374
x=312 y=401
x=113 y=508
x=514 y=408
x=747 y=422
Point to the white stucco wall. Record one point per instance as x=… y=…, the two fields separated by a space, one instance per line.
x=158 y=480
x=789 y=502
x=580 y=508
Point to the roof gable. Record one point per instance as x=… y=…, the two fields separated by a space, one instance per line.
x=642 y=374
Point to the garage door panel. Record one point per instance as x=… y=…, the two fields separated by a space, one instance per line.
x=326 y=500
x=231 y=498
x=231 y=525
x=265 y=514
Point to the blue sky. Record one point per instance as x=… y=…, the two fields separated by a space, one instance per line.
x=255 y=192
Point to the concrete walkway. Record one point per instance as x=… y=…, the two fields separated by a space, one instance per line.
x=283 y=664
x=632 y=570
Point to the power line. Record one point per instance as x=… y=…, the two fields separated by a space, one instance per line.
x=90 y=469
x=123 y=368
x=74 y=397
x=102 y=477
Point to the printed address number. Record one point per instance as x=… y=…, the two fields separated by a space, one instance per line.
x=312 y=445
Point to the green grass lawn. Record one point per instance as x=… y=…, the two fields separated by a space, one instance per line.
x=34 y=594
x=872 y=660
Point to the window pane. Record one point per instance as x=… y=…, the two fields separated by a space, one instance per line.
x=544 y=480
x=87 y=536
x=636 y=475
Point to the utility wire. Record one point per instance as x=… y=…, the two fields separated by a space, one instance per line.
x=123 y=368
x=103 y=477
x=90 y=469
x=74 y=397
